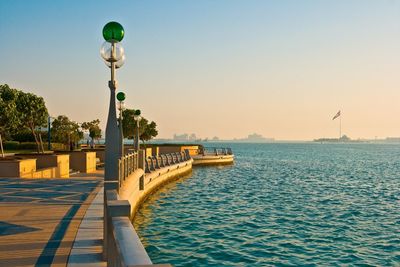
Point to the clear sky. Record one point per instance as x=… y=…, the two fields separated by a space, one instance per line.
x=223 y=68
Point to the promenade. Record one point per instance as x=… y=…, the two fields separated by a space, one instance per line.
x=39 y=218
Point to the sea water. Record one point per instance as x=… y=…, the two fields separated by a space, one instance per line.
x=281 y=205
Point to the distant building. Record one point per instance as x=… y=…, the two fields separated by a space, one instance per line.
x=184 y=137
x=255 y=138
x=192 y=137
x=393 y=139
x=344 y=138
x=181 y=137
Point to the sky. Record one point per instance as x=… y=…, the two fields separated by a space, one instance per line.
x=225 y=68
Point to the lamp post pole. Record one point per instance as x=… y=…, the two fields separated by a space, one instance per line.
x=121 y=98
x=113 y=54
x=48 y=133
x=137 y=118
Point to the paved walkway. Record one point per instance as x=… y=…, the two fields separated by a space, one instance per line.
x=39 y=218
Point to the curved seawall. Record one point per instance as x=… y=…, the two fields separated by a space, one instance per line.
x=130 y=190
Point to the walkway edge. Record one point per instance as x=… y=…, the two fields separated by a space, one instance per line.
x=88 y=245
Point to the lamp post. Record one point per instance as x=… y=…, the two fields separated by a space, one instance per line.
x=49 y=132
x=113 y=54
x=121 y=98
x=137 y=118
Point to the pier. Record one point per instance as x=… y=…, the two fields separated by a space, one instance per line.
x=213 y=156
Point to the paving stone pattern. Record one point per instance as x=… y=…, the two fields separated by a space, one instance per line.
x=39 y=218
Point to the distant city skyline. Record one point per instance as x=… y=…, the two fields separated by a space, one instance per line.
x=222 y=68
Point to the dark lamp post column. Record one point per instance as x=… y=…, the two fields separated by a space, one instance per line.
x=121 y=98
x=137 y=118
x=112 y=53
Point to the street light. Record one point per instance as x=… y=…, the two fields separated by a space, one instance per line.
x=121 y=98
x=49 y=132
x=137 y=118
x=113 y=54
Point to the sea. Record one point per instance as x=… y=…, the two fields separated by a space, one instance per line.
x=281 y=204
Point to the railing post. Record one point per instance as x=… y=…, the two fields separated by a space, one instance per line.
x=151 y=164
x=141 y=159
x=147 y=168
x=162 y=161
x=141 y=182
x=126 y=168
x=119 y=172
x=136 y=161
x=132 y=161
x=157 y=163
x=187 y=154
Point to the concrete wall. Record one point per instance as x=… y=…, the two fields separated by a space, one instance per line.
x=130 y=189
x=62 y=166
x=101 y=154
x=44 y=173
x=149 y=151
x=168 y=149
x=11 y=168
x=84 y=162
x=25 y=168
x=213 y=160
x=172 y=149
x=155 y=151
x=61 y=161
x=193 y=150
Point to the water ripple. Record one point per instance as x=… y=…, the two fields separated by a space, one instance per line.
x=281 y=205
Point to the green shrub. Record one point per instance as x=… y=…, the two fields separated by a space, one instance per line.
x=58 y=146
x=11 y=145
x=23 y=136
x=27 y=146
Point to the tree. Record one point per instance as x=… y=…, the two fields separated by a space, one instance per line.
x=66 y=131
x=9 y=119
x=93 y=128
x=147 y=130
x=33 y=114
x=128 y=123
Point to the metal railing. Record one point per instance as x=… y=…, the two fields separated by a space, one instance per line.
x=216 y=151
x=156 y=162
x=127 y=165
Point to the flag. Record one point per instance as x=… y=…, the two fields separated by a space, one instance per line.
x=337 y=115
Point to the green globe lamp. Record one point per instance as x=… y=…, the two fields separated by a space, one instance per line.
x=113 y=32
x=121 y=96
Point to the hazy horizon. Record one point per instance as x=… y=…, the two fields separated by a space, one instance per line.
x=225 y=68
